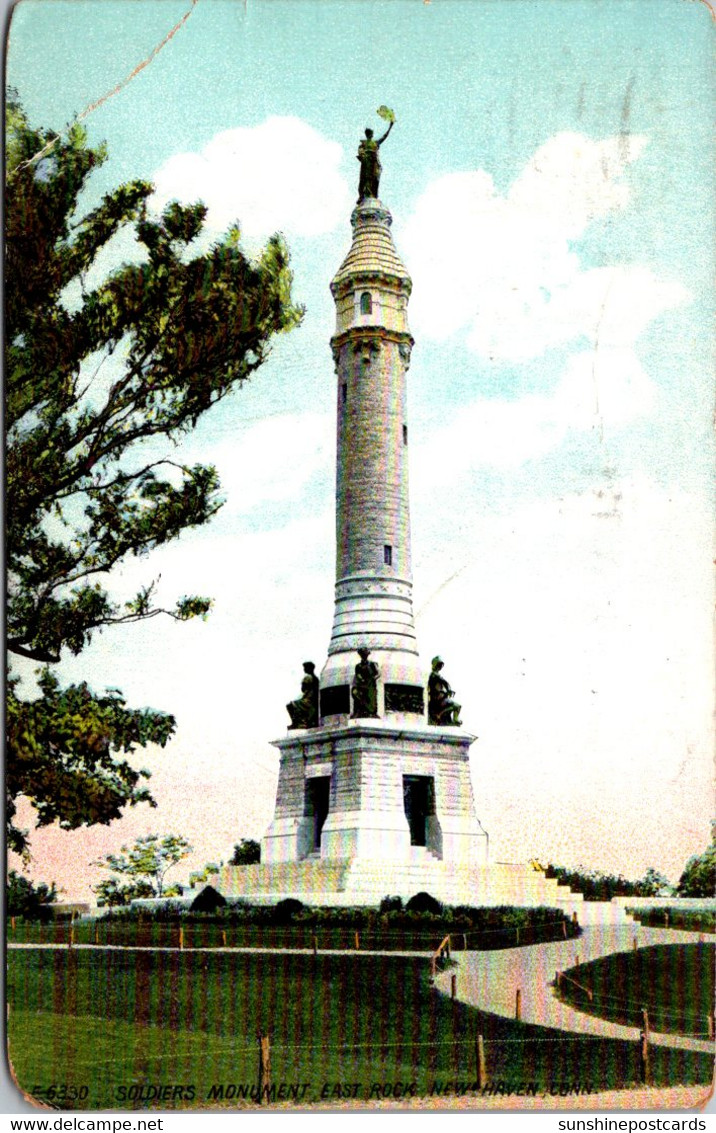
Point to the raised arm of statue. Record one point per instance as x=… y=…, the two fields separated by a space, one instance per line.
x=370 y=167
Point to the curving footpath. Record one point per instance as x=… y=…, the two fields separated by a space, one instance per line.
x=490 y=980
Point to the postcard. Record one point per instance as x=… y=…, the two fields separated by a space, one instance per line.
x=359 y=531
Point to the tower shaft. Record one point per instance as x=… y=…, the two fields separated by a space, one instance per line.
x=371 y=350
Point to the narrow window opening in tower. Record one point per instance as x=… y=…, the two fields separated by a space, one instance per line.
x=344 y=392
x=366 y=303
x=388 y=555
x=405 y=434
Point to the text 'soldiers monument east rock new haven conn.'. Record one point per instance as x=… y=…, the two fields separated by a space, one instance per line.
x=374 y=792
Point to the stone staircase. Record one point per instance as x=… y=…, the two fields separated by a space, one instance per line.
x=366 y=881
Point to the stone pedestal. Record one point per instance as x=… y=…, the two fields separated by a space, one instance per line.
x=373 y=789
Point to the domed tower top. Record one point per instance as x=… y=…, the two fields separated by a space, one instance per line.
x=372 y=251
x=372 y=285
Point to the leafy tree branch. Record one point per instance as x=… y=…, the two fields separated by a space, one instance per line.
x=97 y=377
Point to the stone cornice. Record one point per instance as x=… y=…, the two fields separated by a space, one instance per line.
x=376 y=729
x=371 y=334
x=362 y=278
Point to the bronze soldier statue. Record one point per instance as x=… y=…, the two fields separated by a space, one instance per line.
x=365 y=687
x=442 y=709
x=304 y=712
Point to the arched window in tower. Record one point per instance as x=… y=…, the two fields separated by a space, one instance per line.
x=388 y=555
x=366 y=303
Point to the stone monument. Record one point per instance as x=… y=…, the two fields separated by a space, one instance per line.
x=374 y=793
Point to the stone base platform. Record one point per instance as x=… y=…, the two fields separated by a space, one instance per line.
x=366 y=881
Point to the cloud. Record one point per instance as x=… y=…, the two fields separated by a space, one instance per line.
x=571 y=180
x=279 y=176
x=503 y=269
x=275 y=458
x=607 y=389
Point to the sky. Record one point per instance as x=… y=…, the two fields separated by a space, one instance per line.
x=550 y=177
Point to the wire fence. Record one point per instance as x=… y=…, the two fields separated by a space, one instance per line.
x=302 y=935
x=248 y=1024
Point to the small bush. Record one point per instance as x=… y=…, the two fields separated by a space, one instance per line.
x=424 y=903
x=391 y=905
x=287 y=911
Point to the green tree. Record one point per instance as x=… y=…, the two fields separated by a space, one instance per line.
x=653 y=884
x=146 y=864
x=207 y=874
x=98 y=381
x=111 y=893
x=246 y=852
x=63 y=754
x=25 y=899
x=699 y=876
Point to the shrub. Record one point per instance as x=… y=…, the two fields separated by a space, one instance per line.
x=246 y=852
x=391 y=905
x=287 y=911
x=424 y=903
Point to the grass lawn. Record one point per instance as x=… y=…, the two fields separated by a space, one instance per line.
x=135 y=1030
x=674 y=982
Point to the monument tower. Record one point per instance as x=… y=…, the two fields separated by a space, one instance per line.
x=374 y=793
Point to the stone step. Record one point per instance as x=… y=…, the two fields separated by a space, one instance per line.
x=364 y=881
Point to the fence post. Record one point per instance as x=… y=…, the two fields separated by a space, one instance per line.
x=264 y=1069
x=644 y=1056
x=518 y=1004
x=564 y=929
x=558 y=980
x=357 y=942
x=517 y=935
x=96 y=933
x=464 y=942
x=315 y=945
x=223 y=937
x=576 y=960
x=574 y=918
x=712 y=1028
x=181 y=937
x=635 y=944
x=453 y=986
x=481 y=1068
x=12 y=922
